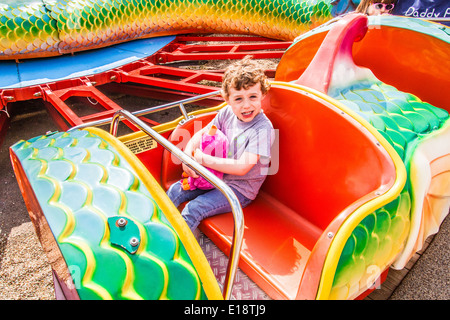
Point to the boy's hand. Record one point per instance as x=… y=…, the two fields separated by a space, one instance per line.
x=189 y=171
x=198 y=156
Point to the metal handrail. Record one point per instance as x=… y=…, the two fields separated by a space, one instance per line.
x=143 y=112
x=236 y=208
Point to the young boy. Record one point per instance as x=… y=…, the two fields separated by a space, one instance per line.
x=250 y=134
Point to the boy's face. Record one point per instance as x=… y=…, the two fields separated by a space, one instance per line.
x=246 y=103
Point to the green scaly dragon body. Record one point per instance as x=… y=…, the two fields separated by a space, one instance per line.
x=46 y=28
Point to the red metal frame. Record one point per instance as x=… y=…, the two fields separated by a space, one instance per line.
x=148 y=77
x=258 y=47
x=4 y=123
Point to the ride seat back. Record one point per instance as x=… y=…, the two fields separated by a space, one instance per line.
x=326 y=159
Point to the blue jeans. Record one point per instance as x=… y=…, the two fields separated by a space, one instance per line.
x=202 y=203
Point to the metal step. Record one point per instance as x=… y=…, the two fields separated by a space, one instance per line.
x=244 y=288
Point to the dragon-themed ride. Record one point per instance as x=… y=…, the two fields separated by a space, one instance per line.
x=361 y=176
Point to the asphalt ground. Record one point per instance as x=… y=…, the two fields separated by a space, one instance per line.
x=25 y=273
x=429 y=278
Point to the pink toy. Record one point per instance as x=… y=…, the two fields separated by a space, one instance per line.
x=214 y=143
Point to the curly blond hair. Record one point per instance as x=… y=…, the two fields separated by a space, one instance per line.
x=244 y=73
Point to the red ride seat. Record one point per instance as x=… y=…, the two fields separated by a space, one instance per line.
x=277 y=244
x=277 y=241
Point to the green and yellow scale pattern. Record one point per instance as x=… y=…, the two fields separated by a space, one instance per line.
x=62 y=165
x=405 y=121
x=33 y=28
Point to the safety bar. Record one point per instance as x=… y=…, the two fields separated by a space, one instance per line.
x=236 y=208
x=143 y=112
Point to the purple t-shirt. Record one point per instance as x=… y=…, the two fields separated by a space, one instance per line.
x=254 y=137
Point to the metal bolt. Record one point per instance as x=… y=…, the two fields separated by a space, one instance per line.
x=330 y=235
x=122 y=222
x=134 y=242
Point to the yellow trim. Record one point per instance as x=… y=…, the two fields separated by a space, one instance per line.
x=90 y=268
x=172 y=214
x=347 y=227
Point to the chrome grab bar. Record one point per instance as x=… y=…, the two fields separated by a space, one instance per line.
x=143 y=112
x=236 y=208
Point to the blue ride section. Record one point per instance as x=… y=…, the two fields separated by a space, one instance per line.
x=32 y=72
